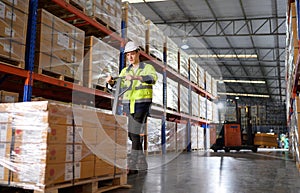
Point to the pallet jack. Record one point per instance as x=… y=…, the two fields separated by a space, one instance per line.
x=232 y=138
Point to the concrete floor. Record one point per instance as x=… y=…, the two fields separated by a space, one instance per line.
x=267 y=171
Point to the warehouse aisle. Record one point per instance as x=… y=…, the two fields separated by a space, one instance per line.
x=235 y=172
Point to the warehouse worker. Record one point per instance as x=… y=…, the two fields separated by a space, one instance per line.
x=136 y=102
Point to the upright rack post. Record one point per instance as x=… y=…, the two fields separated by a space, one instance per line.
x=189 y=145
x=30 y=48
x=163 y=125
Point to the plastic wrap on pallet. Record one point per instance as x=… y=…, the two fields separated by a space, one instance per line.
x=207 y=82
x=215 y=114
x=184 y=99
x=155 y=40
x=195 y=104
x=214 y=88
x=181 y=136
x=100 y=61
x=109 y=12
x=194 y=137
x=184 y=63
x=209 y=110
x=59 y=46
x=172 y=97
x=202 y=107
x=13 y=30
x=172 y=54
x=158 y=88
x=135 y=24
x=170 y=136
x=154 y=134
x=201 y=77
x=200 y=137
x=43 y=143
x=22 y=5
x=193 y=71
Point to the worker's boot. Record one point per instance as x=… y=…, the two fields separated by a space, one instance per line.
x=132 y=163
x=142 y=162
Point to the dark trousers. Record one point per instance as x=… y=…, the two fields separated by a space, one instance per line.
x=136 y=126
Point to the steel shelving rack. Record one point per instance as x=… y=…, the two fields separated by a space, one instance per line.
x=32 y=83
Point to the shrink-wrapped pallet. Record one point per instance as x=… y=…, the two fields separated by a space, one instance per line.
x=193 y=71
x=172 y=97
x=135 y=24
x=195 y=104
x=154 y=135
x=59 y=47
x=201 y=77
x=203 y=107
x=184 y=99
x=194 y=137
x=155 y=40
x=158 y=90
x=107 y=12
x=100 y=61
x=43 y=143
x=207 y=82
x=184 y=63
x=181 y=135
x=171 y=136
x=172 y=54
x=13 y=30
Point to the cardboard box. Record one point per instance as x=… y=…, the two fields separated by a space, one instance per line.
x=104 y=168
x=13 y=23
x=61 y=41
x=100 y=60
x=22 y=5
x=8 y=97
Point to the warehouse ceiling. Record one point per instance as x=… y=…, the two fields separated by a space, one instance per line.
x=233 y=40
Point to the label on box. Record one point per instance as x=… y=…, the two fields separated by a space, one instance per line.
x=9 y=32
x=14 y=2
x=32 y=136
x=4 y=117
x=9 y=99
x=63 y=40
x=30 y=173
x=8 y=48
x=3 y=132
x=69 y=171
x=2 y=10
x=77 y=153
x=10 y=15
x=78 y=134
x=2 y=149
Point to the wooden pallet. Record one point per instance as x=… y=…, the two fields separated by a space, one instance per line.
x=12 y=62
x=76 y=4
x=59 y=76
x=91 y=185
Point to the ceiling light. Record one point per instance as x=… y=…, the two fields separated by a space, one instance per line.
x=244 y=94
x=245 y=81
x=184 y=44
x=223 y=55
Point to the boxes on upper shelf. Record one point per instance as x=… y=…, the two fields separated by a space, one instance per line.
x=13 y=30
x=155 y=40
x=135 y=24
x=172 y=54
x=8 y=97
x=59 y=46
x=100 y=60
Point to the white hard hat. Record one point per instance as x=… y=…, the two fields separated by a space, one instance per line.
x=130 y=46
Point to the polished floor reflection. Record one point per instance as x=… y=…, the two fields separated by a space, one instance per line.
x=267 y=171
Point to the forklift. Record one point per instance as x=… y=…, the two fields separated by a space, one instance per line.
x=231 y=136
